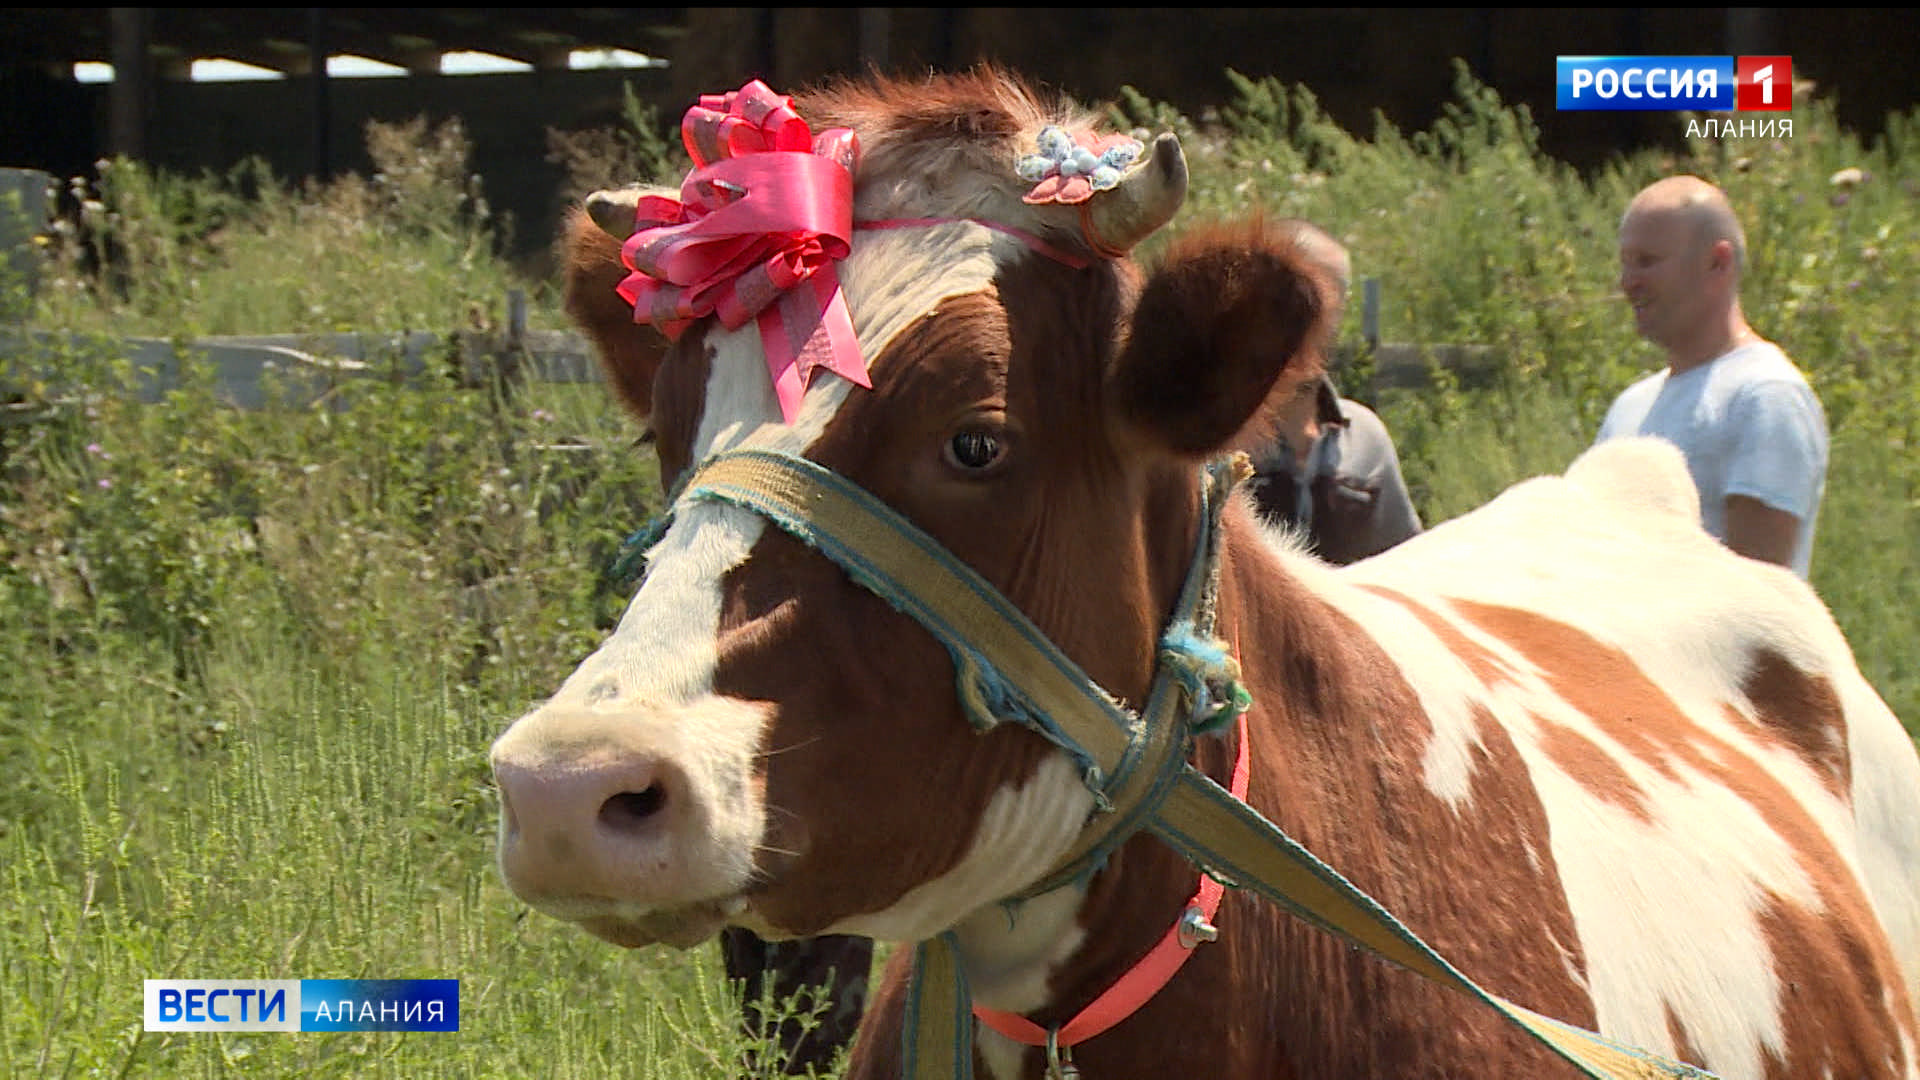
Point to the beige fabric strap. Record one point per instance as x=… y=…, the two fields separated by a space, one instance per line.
x=939 y=1018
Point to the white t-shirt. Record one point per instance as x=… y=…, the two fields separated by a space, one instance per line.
x=1748 y=424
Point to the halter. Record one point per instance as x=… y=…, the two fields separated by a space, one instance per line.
x=762 y=177
x=1134 y=764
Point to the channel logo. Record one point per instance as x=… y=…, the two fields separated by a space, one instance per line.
x=1766 y=83
x=1674 y=83
x=303 y=1004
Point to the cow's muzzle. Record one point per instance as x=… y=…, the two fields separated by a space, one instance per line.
x=640 y=824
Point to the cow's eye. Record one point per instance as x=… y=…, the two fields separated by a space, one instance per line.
x=975 y=450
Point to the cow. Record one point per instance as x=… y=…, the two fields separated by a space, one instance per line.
x=1606 y=767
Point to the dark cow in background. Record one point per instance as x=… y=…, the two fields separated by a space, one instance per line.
x=1609 y=769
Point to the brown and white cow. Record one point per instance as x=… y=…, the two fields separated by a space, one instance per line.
x=1607 y=768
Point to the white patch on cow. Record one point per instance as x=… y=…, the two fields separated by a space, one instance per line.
x=1001 y=1056
x=897 y=276
x=1022 y=833
x=1010 y=958
x=1692 y=620
x=1448 y=693
x=1634 y=888
x=664 y=651
x=1627 y=881
x=1011 y=953
x=1668 y=908
x=1886 y=772
x=1452 y=706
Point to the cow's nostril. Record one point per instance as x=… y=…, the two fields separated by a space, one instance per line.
x=630 y=809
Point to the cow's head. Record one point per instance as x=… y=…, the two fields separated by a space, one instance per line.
x=762 y=741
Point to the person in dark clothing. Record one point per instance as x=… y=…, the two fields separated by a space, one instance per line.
x=1331 y=472
x=1329 y=469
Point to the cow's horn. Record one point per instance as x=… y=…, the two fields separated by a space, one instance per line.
x=614 y=211
x=1146 y=198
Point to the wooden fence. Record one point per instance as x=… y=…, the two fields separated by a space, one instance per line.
x=282 y=370
x=308 y=370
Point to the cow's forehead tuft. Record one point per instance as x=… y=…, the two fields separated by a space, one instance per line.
x=896 y=276
x=892 y=279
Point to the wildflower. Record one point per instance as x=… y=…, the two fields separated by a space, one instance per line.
x=1848 y=178
x=105 y=483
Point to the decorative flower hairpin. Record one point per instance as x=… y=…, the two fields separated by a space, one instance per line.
x=1069 y=168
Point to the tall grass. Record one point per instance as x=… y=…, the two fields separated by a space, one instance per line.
x=318 y=828
x=413 y=246
x=250 y=663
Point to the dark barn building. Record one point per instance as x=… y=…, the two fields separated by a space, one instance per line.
x=1356 y=61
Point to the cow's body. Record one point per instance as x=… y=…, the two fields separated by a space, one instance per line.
x=1610 y=770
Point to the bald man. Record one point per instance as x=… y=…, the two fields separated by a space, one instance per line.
x=1754 y=434
x=1328 y=469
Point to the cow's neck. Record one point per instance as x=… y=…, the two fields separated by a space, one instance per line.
x=1050 y=955
x=1060 y=951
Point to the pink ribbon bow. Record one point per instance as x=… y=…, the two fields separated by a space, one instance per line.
x=760 y=222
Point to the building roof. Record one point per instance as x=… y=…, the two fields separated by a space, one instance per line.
x=283 y=39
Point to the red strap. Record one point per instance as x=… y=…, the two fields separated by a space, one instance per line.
x=1144 y=979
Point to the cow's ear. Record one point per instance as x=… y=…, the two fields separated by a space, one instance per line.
x=630 y=353
x=1233 y=317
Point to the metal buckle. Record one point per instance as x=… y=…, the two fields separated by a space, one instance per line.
x=1194 y=929
x=1059 y=1058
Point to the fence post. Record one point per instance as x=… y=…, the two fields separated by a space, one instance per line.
x=506 y=365
x=24 y=209
x=1370 y=311
x=516 y=319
